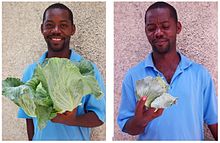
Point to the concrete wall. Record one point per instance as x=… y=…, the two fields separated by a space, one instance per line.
x=23 y=44
x=198 y=41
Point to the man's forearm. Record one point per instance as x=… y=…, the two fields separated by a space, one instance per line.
x=89 y=120
x=214 y=130
x=30 y=129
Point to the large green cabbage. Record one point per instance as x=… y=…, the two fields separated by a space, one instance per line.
x=156 y=91
x=57 y=85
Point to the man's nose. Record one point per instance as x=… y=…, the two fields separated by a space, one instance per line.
x=158 y=33
x=56 y=29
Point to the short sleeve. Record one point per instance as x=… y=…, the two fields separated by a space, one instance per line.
x=22 y=114
x=28 y=72
x=98 y=105
x=128 y=102
x=210 y=108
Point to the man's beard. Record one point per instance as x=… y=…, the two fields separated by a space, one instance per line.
x=161 y=50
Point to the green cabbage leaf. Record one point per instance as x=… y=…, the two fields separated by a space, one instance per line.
x=156 y=91
x=58 y=85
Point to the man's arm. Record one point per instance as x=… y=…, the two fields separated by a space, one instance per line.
x=142 y=117
x=30 y=129
x=89 y=119
x=214 y=130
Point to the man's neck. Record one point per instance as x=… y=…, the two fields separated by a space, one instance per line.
x=166 y=63
x=166 y=59
x=59 y=54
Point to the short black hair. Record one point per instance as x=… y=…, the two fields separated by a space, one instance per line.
x=155 y=5
x=59 y=6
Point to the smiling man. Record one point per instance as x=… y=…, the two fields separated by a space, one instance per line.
x=57 y=28
x=190 y=82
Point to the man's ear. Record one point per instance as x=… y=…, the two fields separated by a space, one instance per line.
x=73 y=29
x=145 y=30
x=179 y=27
x=41 y=28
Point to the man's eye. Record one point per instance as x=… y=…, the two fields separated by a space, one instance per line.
x=151 y=29
x=63 y=25
x=49 y=25
x=166 y=27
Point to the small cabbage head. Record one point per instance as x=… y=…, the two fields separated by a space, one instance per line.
x=156 y=91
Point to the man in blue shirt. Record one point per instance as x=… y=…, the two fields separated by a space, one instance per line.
x=57 y=29
x=187 y=80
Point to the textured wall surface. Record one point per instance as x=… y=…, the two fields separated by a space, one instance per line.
x=23 y=44
x=198 y=41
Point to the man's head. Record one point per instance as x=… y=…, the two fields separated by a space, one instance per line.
x=162 y=26
x=59 y=6
x=57 y=27
x=155 y=5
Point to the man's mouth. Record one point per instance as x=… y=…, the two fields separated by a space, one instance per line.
x=56 y=39
x=160 y=42
x=157 y=41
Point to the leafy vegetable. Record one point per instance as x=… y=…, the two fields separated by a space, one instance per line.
x=155 y=89
x=57 y=85
x=20 y=94
x=163 y=101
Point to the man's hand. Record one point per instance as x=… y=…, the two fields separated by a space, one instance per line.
x=89 y=119
x=142 y=117
x=65 y=117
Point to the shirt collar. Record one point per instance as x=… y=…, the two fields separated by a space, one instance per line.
x=149 y=61
x=184 y=61
x=73 y=56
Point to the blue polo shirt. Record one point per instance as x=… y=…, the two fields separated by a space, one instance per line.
x=197 y=101
x=57 y=131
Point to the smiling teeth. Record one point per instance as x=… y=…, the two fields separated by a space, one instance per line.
x=56 y=39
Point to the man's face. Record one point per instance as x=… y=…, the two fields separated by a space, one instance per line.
x=161 y=30
x=57 y=29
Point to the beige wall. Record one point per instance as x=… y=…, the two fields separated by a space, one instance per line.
x=198 y=41
x=23 y=44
